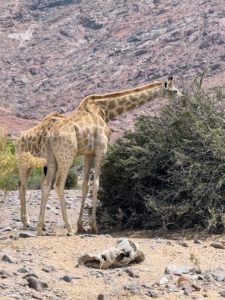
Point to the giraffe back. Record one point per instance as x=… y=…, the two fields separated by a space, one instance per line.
x=33 y=140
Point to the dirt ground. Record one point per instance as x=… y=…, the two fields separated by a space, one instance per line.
x=161 y=249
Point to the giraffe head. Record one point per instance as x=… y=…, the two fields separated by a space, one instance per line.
x=170 y=91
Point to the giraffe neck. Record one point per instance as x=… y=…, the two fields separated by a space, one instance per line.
x=112 y=105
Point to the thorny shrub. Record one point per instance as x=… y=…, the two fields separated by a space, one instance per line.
x=170 y=172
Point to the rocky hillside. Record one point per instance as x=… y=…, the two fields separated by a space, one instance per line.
x=56 y=52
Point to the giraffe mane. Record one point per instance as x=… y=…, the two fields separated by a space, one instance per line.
x=56 y=115
x=123 y=93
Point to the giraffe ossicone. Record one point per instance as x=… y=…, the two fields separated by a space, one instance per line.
x=85 y=132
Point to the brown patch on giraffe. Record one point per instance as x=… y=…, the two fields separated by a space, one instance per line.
x=112 y=105
x=120 y=110
x=132 y=106
x=67 y=121
x=111 y=115
x=65 y=145
x=143 y=95
x=35 y=148
x=133 y=98
x=141 y=102
x=121 y=102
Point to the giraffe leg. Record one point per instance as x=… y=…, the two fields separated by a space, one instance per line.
x=47 y=180
x=87 y=169
x=59 y=188
x=24 y=174
x=98 y=162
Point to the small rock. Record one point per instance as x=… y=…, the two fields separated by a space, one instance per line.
x=172 y=288
x=88 y=235
x=159 y=241
x=67 y=278
x=133 y=273
x=162 y=281
x=195 y=271
x=8 y=258
x=170 y=269
x=5 y=274
x=26 y=235
x=103 y=297
x=174 y=269
x=209 y=277
x=196 y=241
x=30 y=275
x=22 y=270
x=99 y=274
x=147 y=286
x=37 y=296
x=183 y=244
x=52 y=234
x=3 y=286
x=133 y=288
x=222 y=293
x=188 y=290
x=6 y=229
x=49 y=269
x=14 y=237
x=217 y=245
x=36 y=284
x=220 y=277
x=183 y=270
x=152 y=294
x=76 y=277
x=196 y=287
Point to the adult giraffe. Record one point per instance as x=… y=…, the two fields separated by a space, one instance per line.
x=85 y=132
x=31 y=141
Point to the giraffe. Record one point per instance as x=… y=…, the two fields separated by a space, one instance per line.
x=85 y=132
x=31 y=141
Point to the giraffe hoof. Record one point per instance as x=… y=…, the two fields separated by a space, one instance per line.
x=80 y=229
x=94 y=227
x=26 y=223
x=26 y=226
x=39 y=231
x=70 y=233
x=94 y=230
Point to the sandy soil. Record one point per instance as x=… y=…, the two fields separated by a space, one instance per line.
x=161 y=249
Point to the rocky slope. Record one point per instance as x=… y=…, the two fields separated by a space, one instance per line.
x=56 y=52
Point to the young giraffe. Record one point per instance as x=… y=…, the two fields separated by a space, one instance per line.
x=33 y=141
x=86 y=132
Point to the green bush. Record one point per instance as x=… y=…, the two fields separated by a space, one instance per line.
x=35 y=179
x=34 y=182
x=71 y=181
x=170 y=172
x=8 y=168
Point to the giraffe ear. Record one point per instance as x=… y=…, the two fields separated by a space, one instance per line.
x=165 y=85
